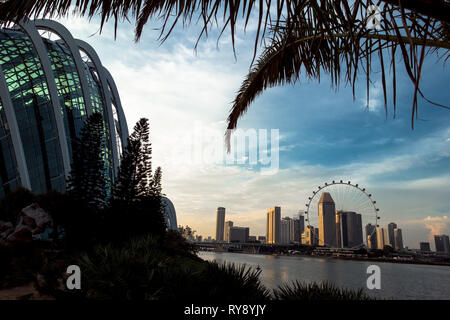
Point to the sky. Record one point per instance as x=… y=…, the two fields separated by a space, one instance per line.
x=323 y=134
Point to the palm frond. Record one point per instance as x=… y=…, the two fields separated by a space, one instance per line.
x=171 y=12
x=341 y=42
x=333 y=31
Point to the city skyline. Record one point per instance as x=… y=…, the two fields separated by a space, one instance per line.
x=404 y=168
x=349 y=231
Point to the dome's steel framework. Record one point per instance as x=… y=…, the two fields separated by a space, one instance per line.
x=98 y=94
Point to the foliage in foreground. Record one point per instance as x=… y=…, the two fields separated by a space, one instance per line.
x=142 y=269
x=317 y=291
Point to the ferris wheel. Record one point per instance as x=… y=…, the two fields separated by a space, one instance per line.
x=349 y=199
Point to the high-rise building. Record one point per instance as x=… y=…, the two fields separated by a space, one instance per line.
x=316 y=236
x=398 y=239
x=47 y=90
x=310 y=236
x=391 y=227
x=348 y=229
x=220 y=224
x=291 y=230
x=327 y=221
x=228 y=225
x=273 y=225
x=382 y=238
x=425 y=247
x=239 y=234
x=371 y=236
x=287 y=230
x=442 y=243
x=299 y=227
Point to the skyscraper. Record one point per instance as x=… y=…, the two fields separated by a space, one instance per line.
x=371 y=236
x=273 y=225
x=239 y=234
x=309 y=236
x=398 y=239
x=220 y=224
x=382 y=238
x=286 y=231
x=299 y=227
x=391 y=227
x=327 y=221
x=228 y=225
x=442 y=243
x=348 y=229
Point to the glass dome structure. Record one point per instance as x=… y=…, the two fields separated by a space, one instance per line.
x=47 y=89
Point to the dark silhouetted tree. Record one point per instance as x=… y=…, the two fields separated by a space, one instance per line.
x=135 y=171
x=87 y=182
x=136 y=206
x=156 y=186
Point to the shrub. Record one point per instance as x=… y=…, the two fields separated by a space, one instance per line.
x=214 y=282
x=121 y=272
x=142 y=270
x=317 y=291
x=175 y=244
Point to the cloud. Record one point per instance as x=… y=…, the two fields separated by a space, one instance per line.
x=437 y=225
x=177 y=89
x=247 y=195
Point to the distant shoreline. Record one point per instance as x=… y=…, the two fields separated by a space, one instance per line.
x=384 y=260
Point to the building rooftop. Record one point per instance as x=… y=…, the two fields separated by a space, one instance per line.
x=326 y=198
